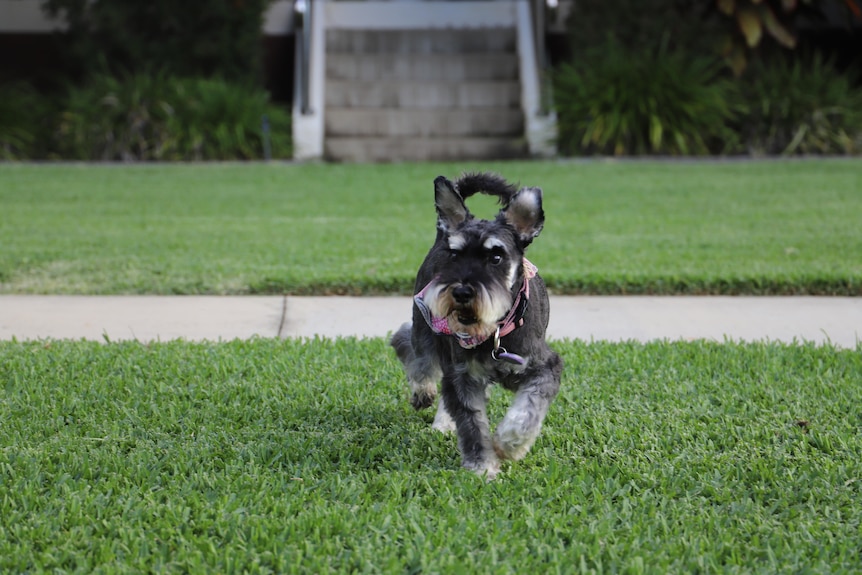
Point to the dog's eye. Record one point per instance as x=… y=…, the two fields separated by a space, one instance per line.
x=453 y=254
x=495 y=259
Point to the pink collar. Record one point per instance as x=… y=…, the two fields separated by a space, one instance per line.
x=512 y=321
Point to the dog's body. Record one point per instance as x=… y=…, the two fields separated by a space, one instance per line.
x=480 y=316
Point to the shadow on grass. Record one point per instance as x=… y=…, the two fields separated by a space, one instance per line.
x=357 y=438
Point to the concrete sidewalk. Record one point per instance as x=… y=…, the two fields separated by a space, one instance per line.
x=147 y=318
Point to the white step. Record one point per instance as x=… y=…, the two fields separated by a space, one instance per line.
x=422 y=122
x=344 y=94
x=422 y=67
x=395 y=149
x=443 y=41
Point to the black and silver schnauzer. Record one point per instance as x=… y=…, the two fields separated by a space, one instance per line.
x=479 y=317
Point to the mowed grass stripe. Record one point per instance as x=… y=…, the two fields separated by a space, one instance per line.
x=694 y=227
x=305 y=457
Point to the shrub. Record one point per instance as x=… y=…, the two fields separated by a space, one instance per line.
x=801 y=106
x=615 y=101
x=25 y=118
x=224 y=121
x=160 y=117
x=108 y=119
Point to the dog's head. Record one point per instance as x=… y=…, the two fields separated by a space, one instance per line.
x=479 y=263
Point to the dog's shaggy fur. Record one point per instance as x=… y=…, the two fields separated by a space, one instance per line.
x=480 y=317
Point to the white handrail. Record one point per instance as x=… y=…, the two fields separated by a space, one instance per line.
x=303 y=46
x=309 y=66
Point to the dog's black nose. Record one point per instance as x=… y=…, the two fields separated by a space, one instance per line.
x=463 y=294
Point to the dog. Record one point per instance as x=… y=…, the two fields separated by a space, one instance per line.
x=480 y=316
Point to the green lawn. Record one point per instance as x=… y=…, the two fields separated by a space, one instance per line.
x=612 y=227
x=305 y=457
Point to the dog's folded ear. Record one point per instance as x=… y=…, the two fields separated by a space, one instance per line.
x=451 y=209
x=525 y=214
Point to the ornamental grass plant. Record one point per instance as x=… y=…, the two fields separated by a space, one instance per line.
x=801 y=106
x=657 y=101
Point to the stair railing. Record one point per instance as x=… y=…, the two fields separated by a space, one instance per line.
x=309 y=66
x=542 y=61
x=303 y=20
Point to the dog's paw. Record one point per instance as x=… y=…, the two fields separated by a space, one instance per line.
x=487 y=470
x=517 y=433
x=512 y=447
x=443 y=422
x=422 y=400
x=443 y=426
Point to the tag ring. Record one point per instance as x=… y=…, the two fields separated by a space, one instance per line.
x=495 y=353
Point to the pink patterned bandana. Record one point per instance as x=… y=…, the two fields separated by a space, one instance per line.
x=513 y=320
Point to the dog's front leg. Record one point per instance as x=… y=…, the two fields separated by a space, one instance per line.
x=465 y=399
x=519 y=429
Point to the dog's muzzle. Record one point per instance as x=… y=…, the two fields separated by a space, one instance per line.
x=463 y=296
x=509 y=323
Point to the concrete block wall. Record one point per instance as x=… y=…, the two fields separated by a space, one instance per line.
x=422 y=94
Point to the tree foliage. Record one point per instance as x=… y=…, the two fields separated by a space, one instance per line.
x=750 y=22
x=191 y=37
x=733 y=29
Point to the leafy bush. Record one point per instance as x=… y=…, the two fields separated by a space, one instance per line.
x=615 y=101
x=159 y=117
x=25 y=117
x=109 y=118
x=224 y=121
x=801 y=106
